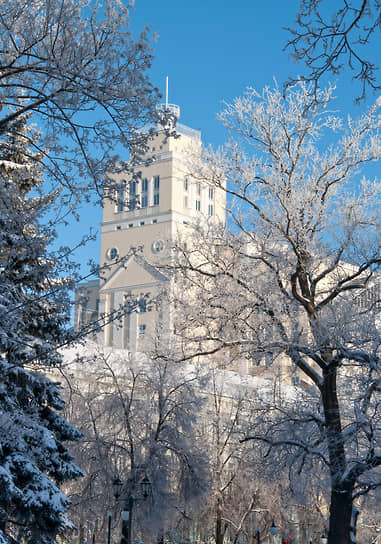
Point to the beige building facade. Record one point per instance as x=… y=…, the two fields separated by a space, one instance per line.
x=141 y=219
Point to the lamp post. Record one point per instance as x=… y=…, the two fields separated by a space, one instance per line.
x=109 y=519
x=3 y=520
x=128 y=506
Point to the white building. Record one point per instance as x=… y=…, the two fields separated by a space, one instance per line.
x=140 y=220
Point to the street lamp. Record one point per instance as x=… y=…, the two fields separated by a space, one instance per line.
x=273 y=529
x=109 y=519
x=117 y=485
x=128 y=505
x=145 y=485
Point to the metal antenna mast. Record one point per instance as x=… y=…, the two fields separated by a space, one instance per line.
x=173 y=109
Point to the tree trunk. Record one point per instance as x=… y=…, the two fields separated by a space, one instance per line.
x=341 y=490
x=219 y=530
x=340 y=517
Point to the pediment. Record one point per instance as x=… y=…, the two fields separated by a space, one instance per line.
x=133 y=273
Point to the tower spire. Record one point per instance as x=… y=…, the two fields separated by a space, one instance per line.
x=166 y=92
x=167 y=107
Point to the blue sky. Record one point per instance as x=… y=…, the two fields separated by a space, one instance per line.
x=211 y=50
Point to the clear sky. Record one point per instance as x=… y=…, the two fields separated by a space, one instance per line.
x=211 y=50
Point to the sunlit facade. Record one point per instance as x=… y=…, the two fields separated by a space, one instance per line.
x=142 y=216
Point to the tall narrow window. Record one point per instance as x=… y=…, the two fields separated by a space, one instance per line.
x=142 y=331
x=198 y=188
x=142 y=305
x=119 y=204
x=186 y=184
x=156 y=190
x=83 y=312
x=198 y=205
x=144 y=196
x=211 y=193
x=132 y=195
x=210 y=210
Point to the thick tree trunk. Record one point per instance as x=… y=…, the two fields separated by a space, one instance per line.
x=341 y=490
x=340 y=514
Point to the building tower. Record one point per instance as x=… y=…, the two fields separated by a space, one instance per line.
x=139 y=222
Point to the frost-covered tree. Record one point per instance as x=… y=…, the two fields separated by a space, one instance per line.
x=74 y=69
x=138 y=418
x=79 y=71
x=329 y=41
x=296 y=283
x=239 y=500
x=33 y=307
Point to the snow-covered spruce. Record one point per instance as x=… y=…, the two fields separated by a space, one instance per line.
x=33 y=312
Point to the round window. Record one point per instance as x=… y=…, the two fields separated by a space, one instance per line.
x=157 y=246
x=112 y=253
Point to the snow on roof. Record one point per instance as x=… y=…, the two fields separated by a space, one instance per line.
x=81 y=360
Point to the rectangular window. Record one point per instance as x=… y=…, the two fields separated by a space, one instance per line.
x=142 y=305
x=132 y=187
x=144 y=195
x=156 y=189
x=154 y=221
x=211 y=193
x=142 y=331
x=119 y=195
x=198 y=188
x=83 y=313
x=186 y=184
x=210 y=210
x=132 y=195
x=198 y=205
